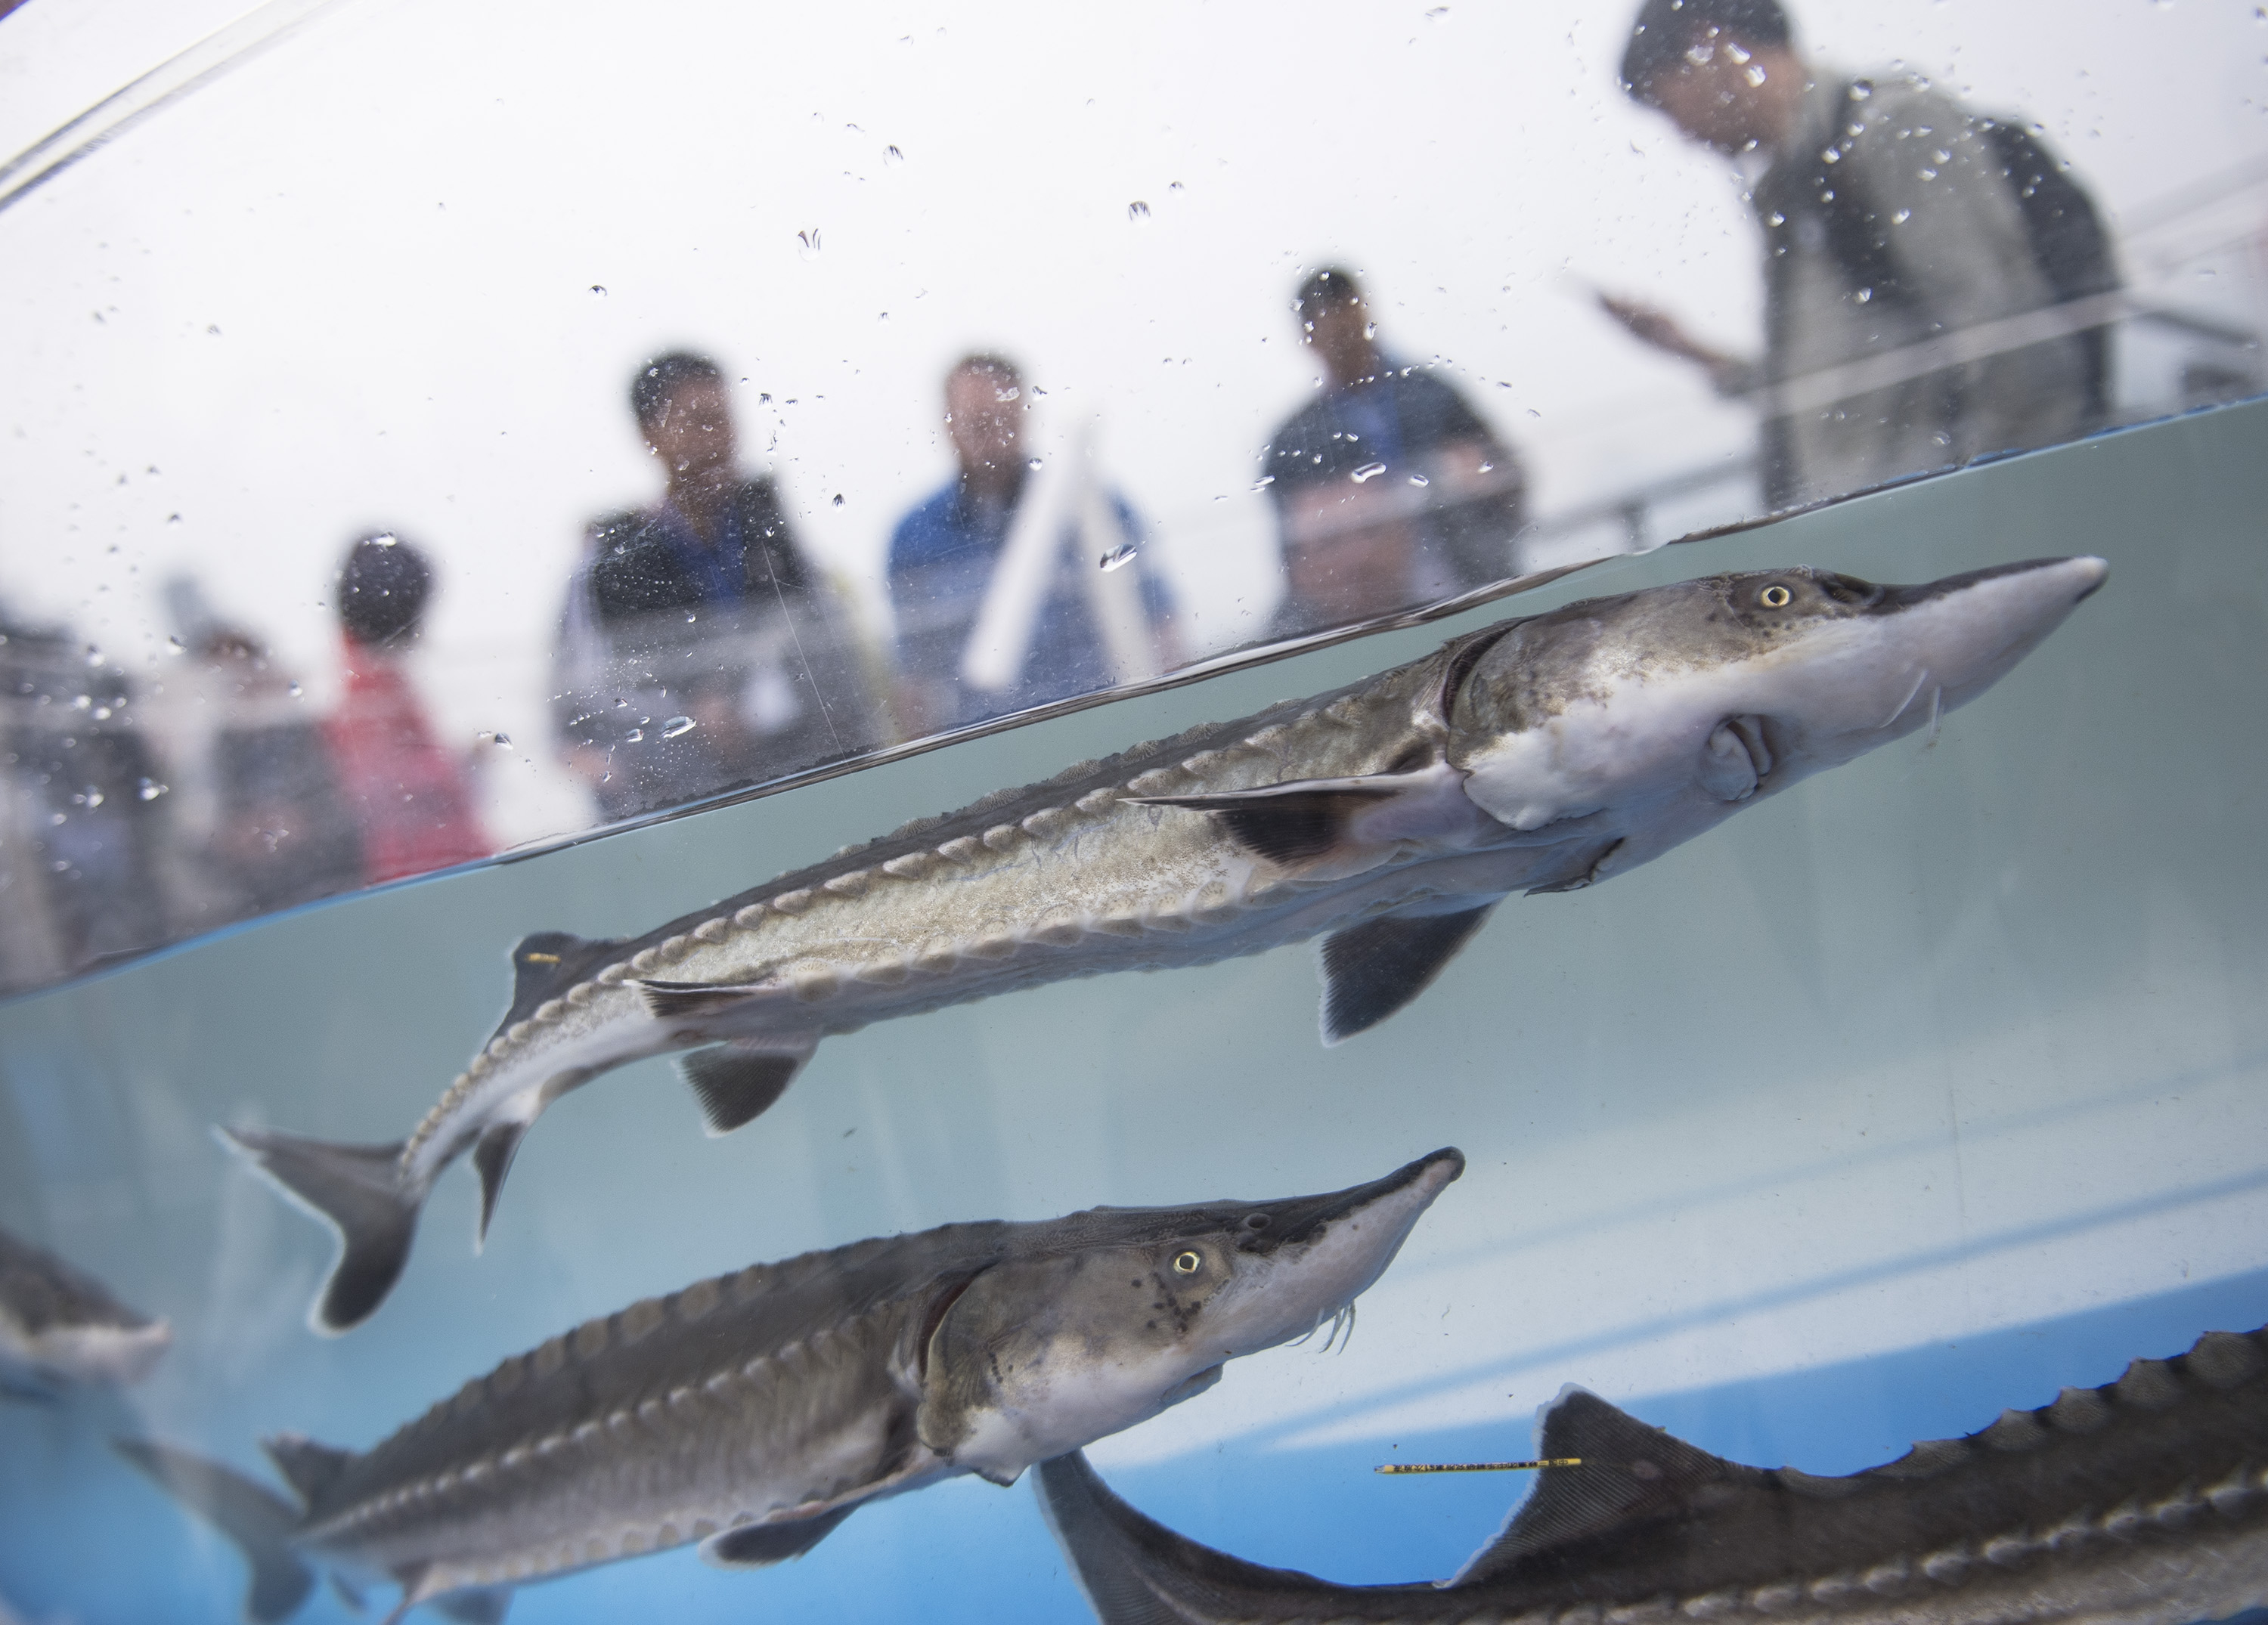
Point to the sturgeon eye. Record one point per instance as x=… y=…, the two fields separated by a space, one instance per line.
x=1774 y=597
x=1187 y=1263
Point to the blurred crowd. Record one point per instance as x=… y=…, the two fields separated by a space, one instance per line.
x=1933 y=278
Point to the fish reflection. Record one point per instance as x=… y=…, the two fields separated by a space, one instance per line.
x=1541 y=754
x=755 y=1412
x=2142 y=1501
x=60 y=1328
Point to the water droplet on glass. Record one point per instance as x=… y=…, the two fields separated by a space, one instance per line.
x=807 y=242
x=93 y=655
x=1532 y=412
x=838 y=499
x=1138 y=210
x=1118 y=556
x=93 y=797
x=293 y=691
x=1033 y=465
x=172 y=519
x=151 y=789
x=386 y=538
x=893 y=157
x=1901 y=216
x=1488 y=469
x=1264 y=483
x=503 y=741
x=82 y=703
x=599 y=289
x=633 y=736
x=676 y=726
x=174 y=645
x=1369 y=471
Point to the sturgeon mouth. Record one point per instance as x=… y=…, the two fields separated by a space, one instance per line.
x=1739 y=758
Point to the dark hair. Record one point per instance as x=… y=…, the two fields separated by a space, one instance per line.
x=383 y=587
x=988 y=361
x=1665 y=32
x=1326 y=288
x=650 y=389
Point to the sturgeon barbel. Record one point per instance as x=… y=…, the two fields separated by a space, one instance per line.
x=60 y=1328
x=2142 y=1503
x=754 y=1412
x=1541 y=754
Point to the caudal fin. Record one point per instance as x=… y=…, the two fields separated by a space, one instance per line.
x=257 y=1519
x=353 y=1188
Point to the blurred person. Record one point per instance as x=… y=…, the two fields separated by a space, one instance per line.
x=1008 y=583
x=1390 y=489
x=407 y=795
x=281 y=832
x=699 y=649
x=83 y=835
x=1892 y=217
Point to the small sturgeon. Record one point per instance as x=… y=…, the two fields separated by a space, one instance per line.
x=1541 y=754
x=60 y=1328
x=754 y=1412
x=2143 y=1503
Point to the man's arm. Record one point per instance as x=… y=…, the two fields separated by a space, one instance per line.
x=1650 y=325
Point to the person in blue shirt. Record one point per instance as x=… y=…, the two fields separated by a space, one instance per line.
x=1390 y=489
x=1067 y=626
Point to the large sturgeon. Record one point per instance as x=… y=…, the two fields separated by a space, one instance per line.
x=60 y=1328
x=754 y=1412
x=2143 y=1503
x=1541 y=754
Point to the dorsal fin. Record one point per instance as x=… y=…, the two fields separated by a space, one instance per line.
x=546 y=965
x=1631 y=1476
x=310 y=1468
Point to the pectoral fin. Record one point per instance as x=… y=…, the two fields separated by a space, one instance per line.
x=759 y=1545
x=674 y=1001
x=1373 y=969
x=738 y=1082
x=1309 y=818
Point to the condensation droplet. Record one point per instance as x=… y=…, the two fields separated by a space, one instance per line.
x=172 y=519
x=1118 y=557
x=293 y=690
x=893 y=157
x=676 y=726
x=633 y=736
x=1033 y=465
x=151 y=789
x=1368 y=472
x=838 y=499
x=1419 y=479
x=1138 y=210
x=807 y=242
x=599 y=289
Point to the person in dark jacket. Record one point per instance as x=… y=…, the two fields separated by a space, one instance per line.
x=699 y=651
x=1389 y=488
x=1914 y=253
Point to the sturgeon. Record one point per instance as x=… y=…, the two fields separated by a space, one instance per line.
x=754 y=1412
x=2142 y=1503
x=1541 y=754
x=60 y=1328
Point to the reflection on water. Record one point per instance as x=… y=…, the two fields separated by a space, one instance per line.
x=1943 y=252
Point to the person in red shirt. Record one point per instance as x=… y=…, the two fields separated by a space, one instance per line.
x=407 y=793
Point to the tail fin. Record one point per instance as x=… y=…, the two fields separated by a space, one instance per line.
x=353 y=1188
x=1120 y=1556
x=258 y=1520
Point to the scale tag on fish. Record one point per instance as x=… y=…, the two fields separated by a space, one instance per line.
x=754 y=1413
x=1386 y=819
x=2141 y=1502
